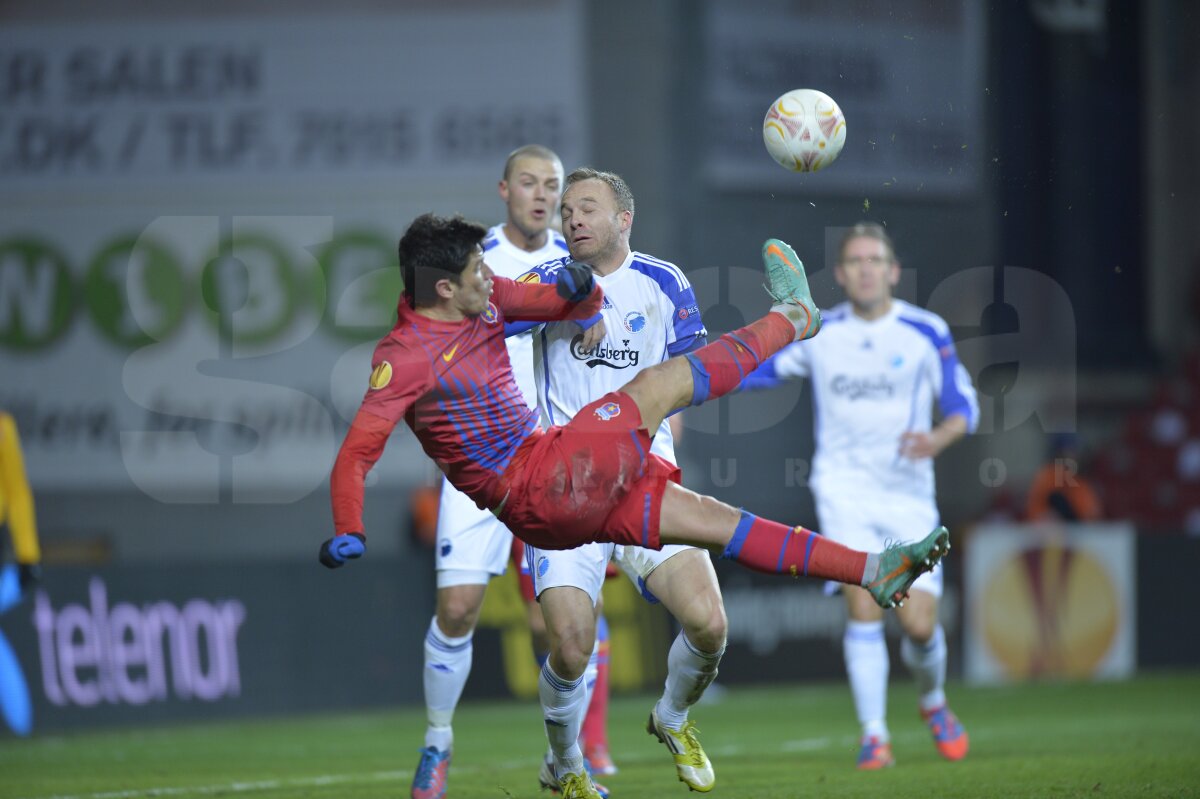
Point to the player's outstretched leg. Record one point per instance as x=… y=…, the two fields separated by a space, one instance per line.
x=721 y=366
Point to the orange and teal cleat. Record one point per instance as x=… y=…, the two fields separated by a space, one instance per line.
x=948 y=733
x=875 y=754
x=901 y=564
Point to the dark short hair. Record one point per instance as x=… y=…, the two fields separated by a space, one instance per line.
x=435 y=247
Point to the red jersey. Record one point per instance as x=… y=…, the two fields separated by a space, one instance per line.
x=453 y=384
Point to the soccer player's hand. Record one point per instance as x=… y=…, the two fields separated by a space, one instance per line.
x=341 y=548
x=574 y=282
x=28 y=575
x=593 y=336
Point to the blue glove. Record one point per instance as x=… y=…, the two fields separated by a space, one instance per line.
x=341 y=548
x=574 y=282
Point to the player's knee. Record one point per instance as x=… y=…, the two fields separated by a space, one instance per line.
x=456 y=616
x=707 y=630
x=570 y=660
x=919 y=629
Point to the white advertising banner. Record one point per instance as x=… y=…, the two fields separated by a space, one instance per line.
x=908 y=75
x=198 y=222
x=1050 y=602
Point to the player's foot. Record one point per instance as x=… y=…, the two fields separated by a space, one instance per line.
x=694 y=769
x=601 y=760
x=901 y=564
x=788 y=286
x=875 y=754
x=948 y=733
x=549 y=782
x=430 y=780
x=580 y=786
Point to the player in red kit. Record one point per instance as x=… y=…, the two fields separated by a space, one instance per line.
x=444 y=369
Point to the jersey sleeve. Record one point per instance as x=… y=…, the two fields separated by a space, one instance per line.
x=391 y=392
x=793 y=361
x=686 y=332
x=537 y=302
x=956 y=394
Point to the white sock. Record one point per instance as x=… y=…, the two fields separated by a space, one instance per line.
x=867 y=666
x=589 y=682
x=447 y=666
x=563 y=704
x=927 y=662
x=799 y=319
x=689 y=672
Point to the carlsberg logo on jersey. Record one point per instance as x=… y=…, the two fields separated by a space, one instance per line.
x=856 y=388
x=604 y=355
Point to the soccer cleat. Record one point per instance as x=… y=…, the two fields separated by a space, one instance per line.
x=694 y=769
x=430 y=780
x=549 y=782
x=601 y=760
x=901 y=564
x=580 y=786
x=788 y=285
x=948 y=733
x=875 y=754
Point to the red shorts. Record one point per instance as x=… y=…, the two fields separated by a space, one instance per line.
x=592 y=479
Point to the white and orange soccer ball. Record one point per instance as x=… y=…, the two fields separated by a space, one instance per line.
x=804 y=130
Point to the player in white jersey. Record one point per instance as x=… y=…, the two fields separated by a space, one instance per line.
x=649 y=315
x=876 y=369
x=472 y=545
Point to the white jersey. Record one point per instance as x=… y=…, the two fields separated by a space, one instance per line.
x=507 y=260
x=650 y=314
x=873 y=381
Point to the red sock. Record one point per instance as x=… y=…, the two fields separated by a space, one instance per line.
x=774 y=548
x=719 y=367
x=595 y=723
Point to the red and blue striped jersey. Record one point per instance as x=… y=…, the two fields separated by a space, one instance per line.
x=453 y=384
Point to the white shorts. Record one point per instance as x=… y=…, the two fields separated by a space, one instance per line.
x=871 y=522
x=583 y=567
x=472 y=544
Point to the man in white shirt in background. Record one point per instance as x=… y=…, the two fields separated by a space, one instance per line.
x=876 y=369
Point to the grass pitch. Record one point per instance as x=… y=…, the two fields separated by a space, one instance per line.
x=1135 y=739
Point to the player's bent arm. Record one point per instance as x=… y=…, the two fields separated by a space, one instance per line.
x=546 y=303
x=949 y=430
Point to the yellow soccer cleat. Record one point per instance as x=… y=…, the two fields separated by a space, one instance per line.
x=694 y=769
x=578 y=786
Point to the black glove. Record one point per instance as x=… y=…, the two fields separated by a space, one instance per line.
x=341 y=548
x=28 y=575
x=575 y=281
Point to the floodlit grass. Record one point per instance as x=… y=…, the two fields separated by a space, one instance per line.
x=1136 y=739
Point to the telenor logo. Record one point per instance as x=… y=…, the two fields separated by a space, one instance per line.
x=137 y=654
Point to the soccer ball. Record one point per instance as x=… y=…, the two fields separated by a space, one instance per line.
x=804 y=130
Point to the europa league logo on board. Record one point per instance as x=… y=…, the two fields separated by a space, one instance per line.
x=1050 y=611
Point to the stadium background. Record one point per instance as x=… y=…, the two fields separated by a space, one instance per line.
x=1036 y=163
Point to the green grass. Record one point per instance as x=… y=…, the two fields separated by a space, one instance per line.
x=1136 y=739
